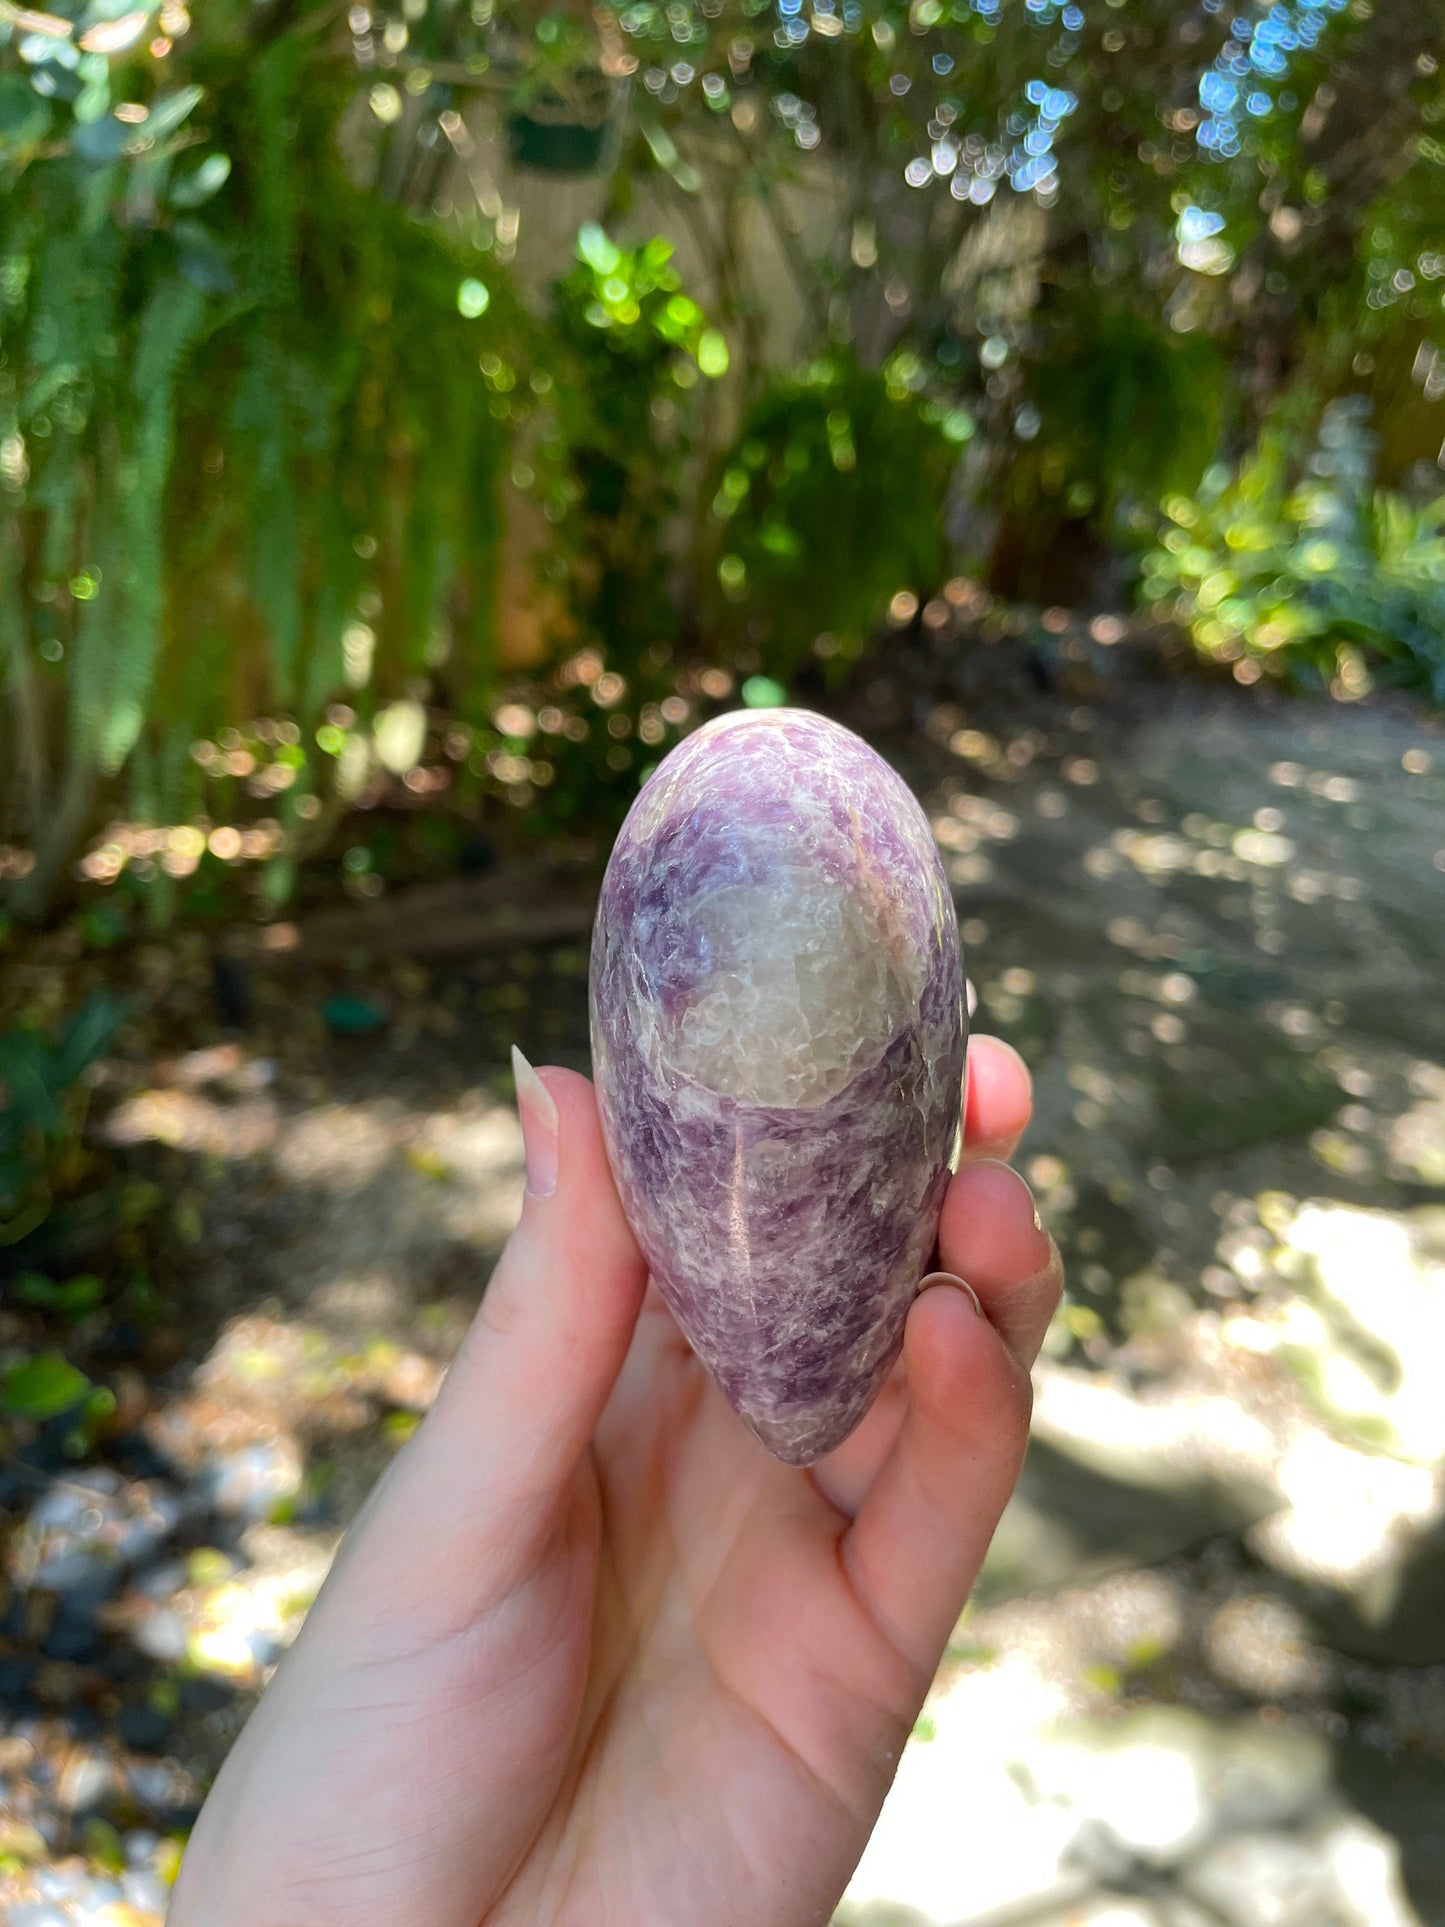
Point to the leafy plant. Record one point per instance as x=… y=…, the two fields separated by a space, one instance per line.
x=249 y=458
x=631 y=357
x=42 y=1387
x=71 y=1298
x=829 y=504
x=557 y=75
x=264 y=375
x=43 y=1101
x=45 y=1387
x=1111 y=413
x=612 y=403
x=1303 y=570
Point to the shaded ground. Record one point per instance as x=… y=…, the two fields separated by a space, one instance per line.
x=1205 y=1677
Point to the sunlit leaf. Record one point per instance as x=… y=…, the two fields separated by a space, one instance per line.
x=712 y=354
x=169 y=111
x=197 y=187
x=42 y=1387
x=596 y=250
x=473 y=298
x=762 y=692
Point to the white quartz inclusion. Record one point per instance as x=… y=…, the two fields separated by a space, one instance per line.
x=801 y=988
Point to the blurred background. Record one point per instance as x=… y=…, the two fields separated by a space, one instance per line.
x=414 y=419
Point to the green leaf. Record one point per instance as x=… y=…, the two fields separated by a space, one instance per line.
x=192 y=189
x=712 y=354
x=35 y=1289
x=42 y=1387
x=24 y=116
x=72 y=1299
x=761 y=692
x=778 y=539
x=596 y=250
x=101 y=142
x=664 y=152
x=87 y=1034
x=170 y=110
x=27 y=1073
x=93 y=102
x=473 y=298
x=104 y=925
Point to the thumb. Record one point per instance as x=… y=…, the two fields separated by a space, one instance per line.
x=481 y=1482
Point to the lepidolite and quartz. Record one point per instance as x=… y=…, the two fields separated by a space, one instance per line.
x=778 y=1036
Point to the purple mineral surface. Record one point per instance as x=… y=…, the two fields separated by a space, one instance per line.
x=778 y=1037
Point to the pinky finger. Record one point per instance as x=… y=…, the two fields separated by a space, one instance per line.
x=920 y=1535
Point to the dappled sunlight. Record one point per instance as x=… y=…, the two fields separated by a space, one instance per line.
x=1149 y=1742
x=1352 y=1519
x=390 y=1182
x=1367 y=1330
x=1013 y=1805
x=1171 y=1440
x=963 y=1832
x=1202 y=953
x=216 y=1103
x=190 y=1121
x=1236 y=1433
x=239 y=1627
x=1307 y=1441
x=415 y=418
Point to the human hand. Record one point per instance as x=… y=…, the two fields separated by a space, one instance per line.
x=589 y=1654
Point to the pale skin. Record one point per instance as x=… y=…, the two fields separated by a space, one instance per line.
x=589 y=1656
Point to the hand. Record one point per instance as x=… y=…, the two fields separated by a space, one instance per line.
x=589 y=1654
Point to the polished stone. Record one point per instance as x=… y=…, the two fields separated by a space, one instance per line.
x=778 y=1037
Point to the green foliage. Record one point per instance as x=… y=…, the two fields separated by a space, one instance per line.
x=830 y=503
x=71 y=1298
x=43 y=1102
x=42 y=1387
x=1304 y=570
x=630 y=357
x=250 y=459
x=1115 y=413
x=352 y=515
x=45 y=1387
x=268 y=393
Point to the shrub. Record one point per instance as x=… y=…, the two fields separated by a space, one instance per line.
x=1304 y=571
x=246 y=458
x=831 y=502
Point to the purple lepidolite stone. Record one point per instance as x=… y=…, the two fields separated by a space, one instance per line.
x=778 y=1037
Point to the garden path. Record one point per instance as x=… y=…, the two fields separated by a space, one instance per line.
x=1204 y=1678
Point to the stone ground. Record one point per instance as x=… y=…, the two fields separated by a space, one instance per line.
x=1204 y=1677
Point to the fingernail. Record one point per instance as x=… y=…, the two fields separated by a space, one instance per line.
x=959 y=1284
x=538 y=1113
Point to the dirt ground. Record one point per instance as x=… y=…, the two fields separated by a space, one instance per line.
x=1204 y=1677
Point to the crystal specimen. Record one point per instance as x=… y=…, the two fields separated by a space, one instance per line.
x=778 y=1037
